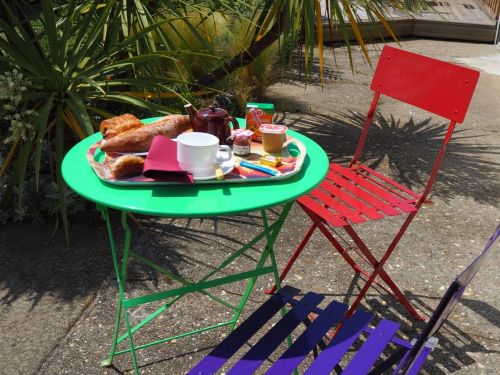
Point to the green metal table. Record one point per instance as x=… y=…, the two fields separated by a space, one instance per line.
x=189 y=201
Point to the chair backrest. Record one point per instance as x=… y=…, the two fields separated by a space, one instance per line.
x=436 y=86
x=439 y=87
x=447 y=303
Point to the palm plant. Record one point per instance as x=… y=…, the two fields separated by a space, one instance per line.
x=69 y=63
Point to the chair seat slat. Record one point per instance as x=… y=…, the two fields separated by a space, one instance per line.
x=388 y=180
x=386 y=208
x=308 y=339
x=372 y=348
x=276 y=335
x=333 y=219
x=230 y=345
x=342 y=196
x=395 y=340
x=384 y=194
x=343 y=210
x=340 y=344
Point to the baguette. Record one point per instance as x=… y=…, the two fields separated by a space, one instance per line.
x=119 y=124
x=139 y=139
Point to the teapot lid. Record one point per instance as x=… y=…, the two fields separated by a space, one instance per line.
x=211 y=111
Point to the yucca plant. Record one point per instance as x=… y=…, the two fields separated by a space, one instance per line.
x=76 y=60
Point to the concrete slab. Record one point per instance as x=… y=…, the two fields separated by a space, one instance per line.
x=489 y=64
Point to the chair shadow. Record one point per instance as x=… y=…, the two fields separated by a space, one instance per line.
x=407 y=150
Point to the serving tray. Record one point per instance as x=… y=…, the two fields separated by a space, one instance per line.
x=293 y=154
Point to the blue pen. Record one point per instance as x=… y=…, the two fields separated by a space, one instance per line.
x=260 y=168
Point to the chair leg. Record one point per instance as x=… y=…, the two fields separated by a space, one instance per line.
x=294 y=257
x=379 y=271
x=402 y=299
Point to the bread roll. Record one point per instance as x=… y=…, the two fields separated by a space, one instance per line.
x=119 y=124
x=126 y=166
x=139 y=139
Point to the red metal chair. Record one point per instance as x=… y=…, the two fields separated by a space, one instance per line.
x=357 y=193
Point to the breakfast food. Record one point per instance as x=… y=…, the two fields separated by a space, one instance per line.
x=126 y=166
x=119 y=124
x=256 y=115
x=273 y=137
x=272 y=161
x=139 y=139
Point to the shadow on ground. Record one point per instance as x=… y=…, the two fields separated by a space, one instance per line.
x=456 y=348
x=32 y=267
x=407 y=150
x=191 y=242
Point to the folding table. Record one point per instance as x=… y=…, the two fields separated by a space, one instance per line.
x=189 y=201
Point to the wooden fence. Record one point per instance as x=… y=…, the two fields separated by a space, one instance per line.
x=493 y=6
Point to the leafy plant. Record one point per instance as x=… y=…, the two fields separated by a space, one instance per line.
x=76 y=60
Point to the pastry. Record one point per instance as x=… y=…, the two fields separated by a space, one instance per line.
x=126 y=166
x=119 y=124
x=139 y=139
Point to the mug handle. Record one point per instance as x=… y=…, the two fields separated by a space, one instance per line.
x=220 y=158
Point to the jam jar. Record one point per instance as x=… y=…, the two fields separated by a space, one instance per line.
x=242 y=140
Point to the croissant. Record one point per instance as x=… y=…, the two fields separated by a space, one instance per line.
x=119 y=124
x=139 y=139
x=126 y=165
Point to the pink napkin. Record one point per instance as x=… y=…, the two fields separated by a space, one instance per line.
x=161 y=163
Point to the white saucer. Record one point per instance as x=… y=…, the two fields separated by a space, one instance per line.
x=226 y=167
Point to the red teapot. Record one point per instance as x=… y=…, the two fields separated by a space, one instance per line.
x=212 y=120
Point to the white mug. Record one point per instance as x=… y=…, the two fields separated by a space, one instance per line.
x=198 y=153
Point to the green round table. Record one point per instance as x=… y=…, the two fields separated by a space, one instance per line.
x=188 y=200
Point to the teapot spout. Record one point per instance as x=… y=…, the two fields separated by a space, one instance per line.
x=192 y=114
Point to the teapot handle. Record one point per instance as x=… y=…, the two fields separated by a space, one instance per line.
x=233 y=120
x=228 y=119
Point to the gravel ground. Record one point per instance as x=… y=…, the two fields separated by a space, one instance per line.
x=57 y=304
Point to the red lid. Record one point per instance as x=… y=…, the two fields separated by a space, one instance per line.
x=273 y=129
x=212 y=112
x=242 y=133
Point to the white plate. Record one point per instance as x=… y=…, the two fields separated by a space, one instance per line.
x=226 y=167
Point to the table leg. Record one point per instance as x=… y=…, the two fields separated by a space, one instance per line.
x=121 y=276
x=271 y=235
